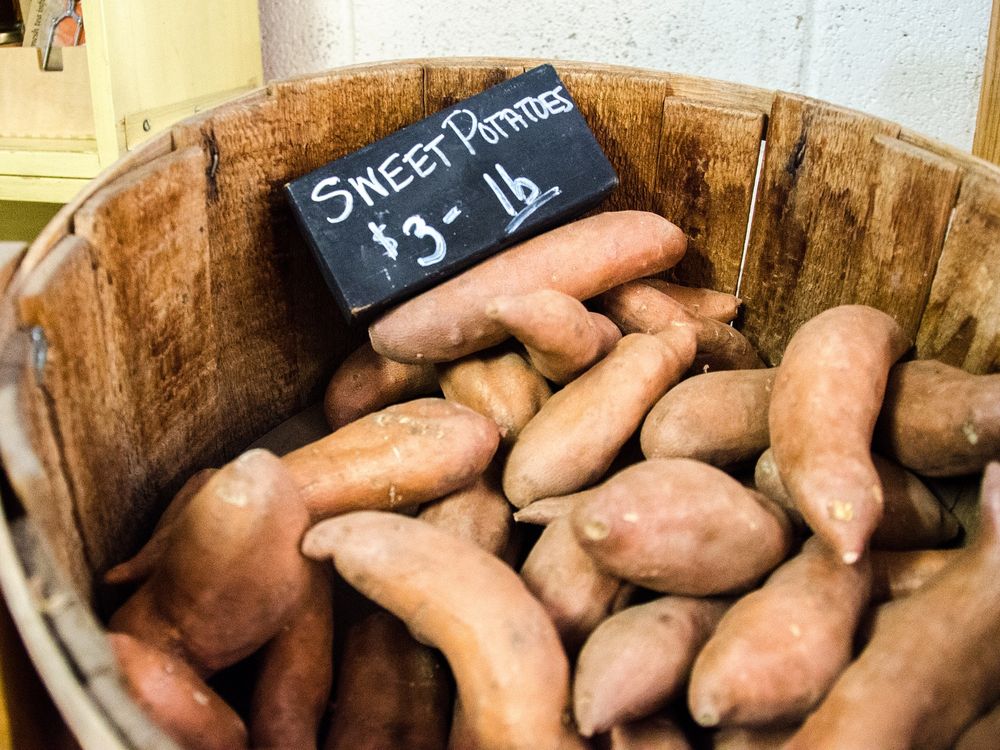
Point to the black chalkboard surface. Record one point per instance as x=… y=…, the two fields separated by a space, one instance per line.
x=412 y=209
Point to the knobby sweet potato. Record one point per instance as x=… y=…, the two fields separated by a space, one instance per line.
x=933 y=662
x=639 y=659
x=366 y=382
x=576 y=435
x=392 y=692
x=512 y=674
x=581 y=259
x=232 y=574
x=500 y=385
x=176 y=698
x=403 y=455
x=561 y=336
x=778 y=649
x=824 y=404
x=682 y=527
x=939 y=420
x=718 y=417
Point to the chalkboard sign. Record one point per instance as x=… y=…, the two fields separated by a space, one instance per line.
x=412 y=209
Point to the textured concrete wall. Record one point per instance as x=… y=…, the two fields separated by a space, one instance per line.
x=918 y=63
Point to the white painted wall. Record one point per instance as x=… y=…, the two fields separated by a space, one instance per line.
x=918 y=62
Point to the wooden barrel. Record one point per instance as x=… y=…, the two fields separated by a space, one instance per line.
x=171 y=313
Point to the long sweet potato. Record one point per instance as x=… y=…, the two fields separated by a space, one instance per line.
x=561 y=336
x=296 y=673
x=176 y=698
x=565 y=580
x=824 y=404
x=581 y=259
x=720 y=306
x=776 y=652
x=392 y=692
x=366 y=382
x=718 y=417
x=232 y=574
x=682 y=527
x=939 y=420
x=512 y=674
x=933 y=662
x=638 y=660
x=403 y=455
x=576 y=435
x=912 y=517
x=499 y=384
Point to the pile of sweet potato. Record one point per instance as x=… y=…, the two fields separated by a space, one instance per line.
x=617 y=529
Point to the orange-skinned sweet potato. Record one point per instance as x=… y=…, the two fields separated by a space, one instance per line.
x=561 y=336
x=581 y=259
x=682 y=527
x=707 y=302
x=982 y=733
x=933 y=662
x=232 y=574
x=718 y=417
x=824 y=404
x=896 y=574
x=392 y=692
x=512 y=674
x=752 y=738
x=651 y=733
x=912 y=517
x=776 y=652
x=479 y=513
x=296 y=674
x=499 y=384
x=638 y=660
x=576 y=435
x=403 y=455
x=939 y=420
x=366 y=382
x=176 y=698
x=565 y=580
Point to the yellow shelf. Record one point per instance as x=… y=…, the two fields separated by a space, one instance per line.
x=144 y=66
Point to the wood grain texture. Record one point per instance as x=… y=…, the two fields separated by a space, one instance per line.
x=447 y=84
x=624 y=113
x=137 y=391
x=813 y=211
x=986 y=141
x=705 y=176
x=961 y=323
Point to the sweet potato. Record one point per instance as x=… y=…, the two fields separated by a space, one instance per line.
x=545 y=511
x=912 y=517
x=232 y=575
x=682 y=527
x=512 y=674
x=403 y=455
x=175 y=698
x=141 y=565
x=982 y=733
x=718 y=417
x=392 y=692
x=637 y=307
x=581 y=259
x=933 y=662
x=710 y=303
x=366 y=382
x=939 y=420
x=651 y=733
x=500 y=385
x=777 y=651
x=824 y=404
x=752 y=738
x=479 y=513
x=296 y=673
x=561 y=336
x=638 y=660
x=576 y=435
x=897 y=574
x=565 y=580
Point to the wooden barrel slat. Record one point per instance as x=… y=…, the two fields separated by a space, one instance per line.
x=961 y=323
x=813 y=205
x=446 y=84
x=705 y=175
